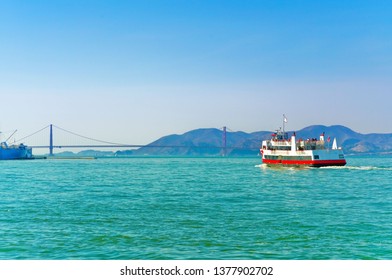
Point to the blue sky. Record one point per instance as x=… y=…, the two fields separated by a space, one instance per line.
x=133 y=71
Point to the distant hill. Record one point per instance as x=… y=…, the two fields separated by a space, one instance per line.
x=208 y=142
x=351 y=141
x=204 y=142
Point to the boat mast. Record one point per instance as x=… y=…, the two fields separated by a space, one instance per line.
x=11 y=135
x=284 y=121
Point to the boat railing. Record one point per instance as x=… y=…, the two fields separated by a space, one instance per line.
x=308 y=144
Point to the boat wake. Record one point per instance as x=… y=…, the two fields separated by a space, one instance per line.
x=281 y=167
x=365 y=168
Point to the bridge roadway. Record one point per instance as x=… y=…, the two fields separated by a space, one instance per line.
x=129 y=146
x=106 y=144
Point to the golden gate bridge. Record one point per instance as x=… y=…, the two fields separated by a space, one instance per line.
x=48 y=133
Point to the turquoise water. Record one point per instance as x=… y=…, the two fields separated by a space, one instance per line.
x=194 y=208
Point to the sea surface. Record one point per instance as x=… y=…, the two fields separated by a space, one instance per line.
x=194 y=208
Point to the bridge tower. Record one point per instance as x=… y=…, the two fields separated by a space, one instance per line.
x=51 y=140
x=224 y=144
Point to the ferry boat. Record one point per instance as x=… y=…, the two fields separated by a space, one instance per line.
x=287 y=151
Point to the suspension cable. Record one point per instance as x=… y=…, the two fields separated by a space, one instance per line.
x=88 y=138
x=19 y=140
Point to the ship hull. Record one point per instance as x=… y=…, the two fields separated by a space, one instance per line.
x=311 y=163
x=11 y=153
x=313 y=158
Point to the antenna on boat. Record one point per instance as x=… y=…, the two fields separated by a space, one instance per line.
x=11 y=135
x=284 y=121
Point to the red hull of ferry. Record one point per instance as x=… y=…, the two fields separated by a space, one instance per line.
x=313 y=163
